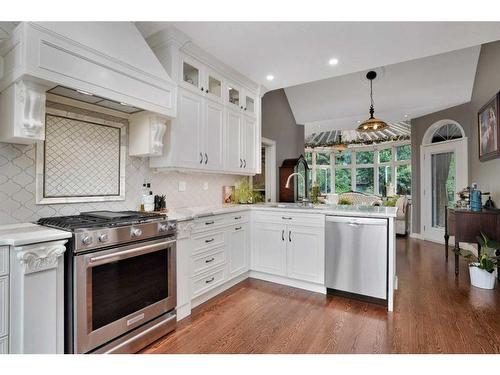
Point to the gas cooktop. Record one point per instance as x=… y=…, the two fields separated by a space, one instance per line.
x=100 y=219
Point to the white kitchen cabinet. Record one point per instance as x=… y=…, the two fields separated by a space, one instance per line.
x=269 y=250
x=146 y=131
x=305 y=253
x=238 y=249
x=183 y=268
x=241 y=153
x=187 y=131
x=289 y=245
x=4 y=345
x=233 y=144
x=248 y=140
x=213 y=135
x=4 y=306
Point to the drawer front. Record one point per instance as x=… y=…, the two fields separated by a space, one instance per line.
x=4 y=306
x=207 y=241
x=4 y=345
x=284 y=217
x=4 y=260
x=208 y=281
x=208 y=223
x=208 y=261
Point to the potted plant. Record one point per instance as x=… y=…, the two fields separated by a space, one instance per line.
x=482 y=268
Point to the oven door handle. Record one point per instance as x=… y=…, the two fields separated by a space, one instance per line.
x=119 y=255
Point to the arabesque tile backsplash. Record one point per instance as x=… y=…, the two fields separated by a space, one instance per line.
x=17 y=188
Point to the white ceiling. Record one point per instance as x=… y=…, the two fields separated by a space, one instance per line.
x=298 y=52
x=412 y=88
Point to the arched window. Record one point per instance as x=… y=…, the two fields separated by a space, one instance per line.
x=442 y=131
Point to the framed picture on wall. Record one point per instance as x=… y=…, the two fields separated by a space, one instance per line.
x=488 y=129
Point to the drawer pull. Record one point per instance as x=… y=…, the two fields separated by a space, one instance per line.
x=209 y=222
x=209 y=260
x=209 y=280
x=210 y=240
x=286 y=218
x=237 y=228
x=237 y=217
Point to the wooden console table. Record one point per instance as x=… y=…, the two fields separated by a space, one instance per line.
x=466 y=225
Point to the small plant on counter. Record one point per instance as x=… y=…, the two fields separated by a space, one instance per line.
x=344 y=202
x=243 y=193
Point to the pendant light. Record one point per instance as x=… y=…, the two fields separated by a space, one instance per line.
x=372 y=124
x=339 y=146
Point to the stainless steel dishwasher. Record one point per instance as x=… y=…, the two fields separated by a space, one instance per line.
x=356 y=257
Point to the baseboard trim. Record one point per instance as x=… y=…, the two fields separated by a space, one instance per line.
x=312 y=287
x=417 y=236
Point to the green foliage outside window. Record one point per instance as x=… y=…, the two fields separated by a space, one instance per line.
x=322 y=159
x=403 y=152
x=365 y=180
x=343 y=158
x=403 y=179
x=323 y=180
x=364 y=157
x=384 y=156
x=342 y=180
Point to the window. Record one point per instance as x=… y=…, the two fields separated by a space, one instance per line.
x=385 y=156
x=403 y=179
x=342 y=180
x=403 y=152
x=309 y=160
x=364 y=157
x=364 y=169
x=365 y=180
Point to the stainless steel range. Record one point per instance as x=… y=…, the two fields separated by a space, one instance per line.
x=120 y=282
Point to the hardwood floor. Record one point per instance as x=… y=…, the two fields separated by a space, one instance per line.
x=434 y=313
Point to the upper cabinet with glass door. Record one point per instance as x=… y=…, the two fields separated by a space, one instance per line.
x=249 y=103
x=198 y=78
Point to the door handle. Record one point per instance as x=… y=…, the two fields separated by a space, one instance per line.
x=283 y=235
x=289 y=236
x=209 y=222
x=209 y=280
x=241 y=163
x=286 y=218
x=245 y=165
x=201 y=158
x=209 y=260
x=206 y=158
x=237 y=228
x=210 y=240
x=237 y=217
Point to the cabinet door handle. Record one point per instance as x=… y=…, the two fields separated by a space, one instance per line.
x=201 y=158
x=283 y=235
x=237 y=217
x=206 y=158
x=286 y=218
x=245 y=165
x=210 y=240
x=237 y=228
x=209 y=222
x=209 y=260
x=202 y=89
x=209 y=280
x=289 y=236
x=241 y=163
x=206 y=91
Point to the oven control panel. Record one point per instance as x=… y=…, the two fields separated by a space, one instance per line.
x=88 y=239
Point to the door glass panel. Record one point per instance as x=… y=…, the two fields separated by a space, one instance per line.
x=384 y=179
x=123 y=287
x=249 y=105
x=364 y=180
x=443 y=185
x=214 y=86
x=190 y=74
x=234 y=95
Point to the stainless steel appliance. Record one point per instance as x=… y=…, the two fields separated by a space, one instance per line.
x=120 y=282
x=356 y=257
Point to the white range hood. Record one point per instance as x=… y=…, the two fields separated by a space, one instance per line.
x=110 y=60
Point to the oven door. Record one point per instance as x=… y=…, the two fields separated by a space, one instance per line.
x=119 y=289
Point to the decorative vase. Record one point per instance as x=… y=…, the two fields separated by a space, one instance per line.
x=481 y=278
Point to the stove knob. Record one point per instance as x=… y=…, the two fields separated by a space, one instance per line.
x=172 y=226
x=86 y=240
x=103 y=237
x=136 y=232
x=163 y=227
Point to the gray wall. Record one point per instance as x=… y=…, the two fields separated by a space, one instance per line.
x=279 y=125
x=460 y=114
x=486 y=85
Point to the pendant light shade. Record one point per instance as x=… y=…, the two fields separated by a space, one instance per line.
x=340 y=146
x=372 y=124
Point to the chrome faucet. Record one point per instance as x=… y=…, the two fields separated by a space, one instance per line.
x=305 y=201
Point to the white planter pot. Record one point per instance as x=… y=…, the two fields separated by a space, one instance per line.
x=481 y=278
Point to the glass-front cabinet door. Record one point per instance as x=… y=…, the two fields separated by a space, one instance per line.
x=190 y=75
x=234 y=95
x=213 y=86
x=249 y=104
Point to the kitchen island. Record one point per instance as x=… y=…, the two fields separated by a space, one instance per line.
x=219 y=246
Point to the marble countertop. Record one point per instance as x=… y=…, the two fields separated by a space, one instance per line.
x=189 y=213
x=28 y=233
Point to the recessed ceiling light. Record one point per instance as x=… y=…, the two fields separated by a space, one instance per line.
x=333 y=61
x=406 y=116
x=269 y=77
x=85 y=92
x=359 y=121
x=123 y=103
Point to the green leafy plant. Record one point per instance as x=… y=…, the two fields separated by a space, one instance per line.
x=243 y=193
x=390 y=202
x=345 y=202
x=487 y=261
